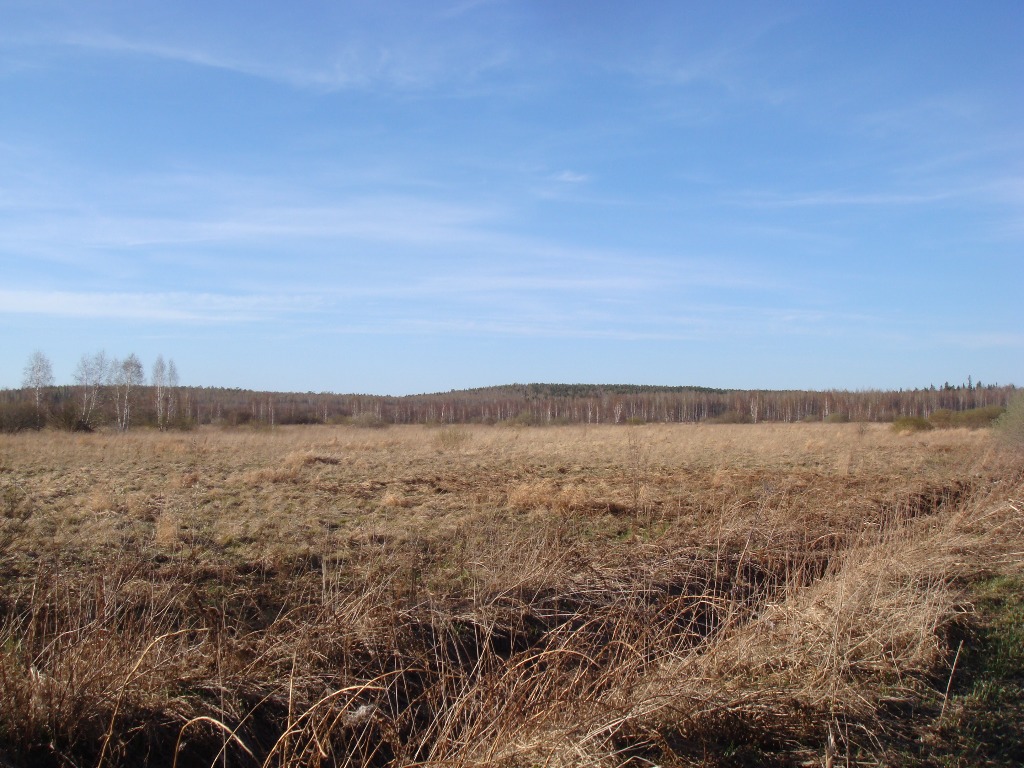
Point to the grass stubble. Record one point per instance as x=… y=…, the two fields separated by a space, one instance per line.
x=487 y=596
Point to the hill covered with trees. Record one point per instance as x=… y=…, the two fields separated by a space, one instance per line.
x=112 y=393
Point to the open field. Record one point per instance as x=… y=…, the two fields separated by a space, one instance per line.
x=669 y=595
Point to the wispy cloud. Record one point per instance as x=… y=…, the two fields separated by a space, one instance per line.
x=991 y=339
x=921 y=118
x=337 y=77
x=466 y=6
x=724 y=323
x=1009 y=190
x=204 y=219
x=726 y=61
x=381 y=220
x=405 y=63
x=571 y=177
x=840 y=198
x=569 y=306
x=163 y=307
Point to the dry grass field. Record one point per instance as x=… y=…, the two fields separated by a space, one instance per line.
x=492 y=596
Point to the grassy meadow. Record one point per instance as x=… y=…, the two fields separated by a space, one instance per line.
x=673 y=595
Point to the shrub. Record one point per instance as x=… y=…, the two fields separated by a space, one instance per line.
x=1010 y=426
x=368 y=420
x=452 y=438
x=15 y=417
x=181 y=423
x=977 y=418
x=912 y=424
x=973 y=418
x=731 y=417
x=68 y=418
x=524 y=419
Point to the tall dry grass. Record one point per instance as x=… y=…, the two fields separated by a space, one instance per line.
x=486 y=596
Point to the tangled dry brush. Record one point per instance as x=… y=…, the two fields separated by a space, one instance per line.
x=685 y=595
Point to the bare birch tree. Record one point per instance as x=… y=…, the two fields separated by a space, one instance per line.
x=129 y=374
x=92 y=372
x=172 y=387
x=38 y=374
x=159 y=378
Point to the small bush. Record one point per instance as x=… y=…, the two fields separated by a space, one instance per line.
x=68 y=417
x=181 y=424
x=1010 y=426
x=16 y=417
x=912 y=424
x=973 y=418
x=452 y=438
x=838 y=418
x=524 y=419
x=368 y=420
x=731 y=417
x=977 y=418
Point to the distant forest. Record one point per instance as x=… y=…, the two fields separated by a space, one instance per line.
x=117 y=395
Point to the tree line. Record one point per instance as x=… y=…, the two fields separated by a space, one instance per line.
x=108 y=391
x=115 y=393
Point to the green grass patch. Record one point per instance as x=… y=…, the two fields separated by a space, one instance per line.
x=984 y=719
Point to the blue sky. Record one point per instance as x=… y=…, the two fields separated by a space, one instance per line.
x=399 y=197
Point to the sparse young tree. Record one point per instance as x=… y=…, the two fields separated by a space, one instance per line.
x=114 y=380
x=159 y=377
x=1010 y=426
x=129 y=374
x=172 y=390
x=38 y=374
x=92 y=373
